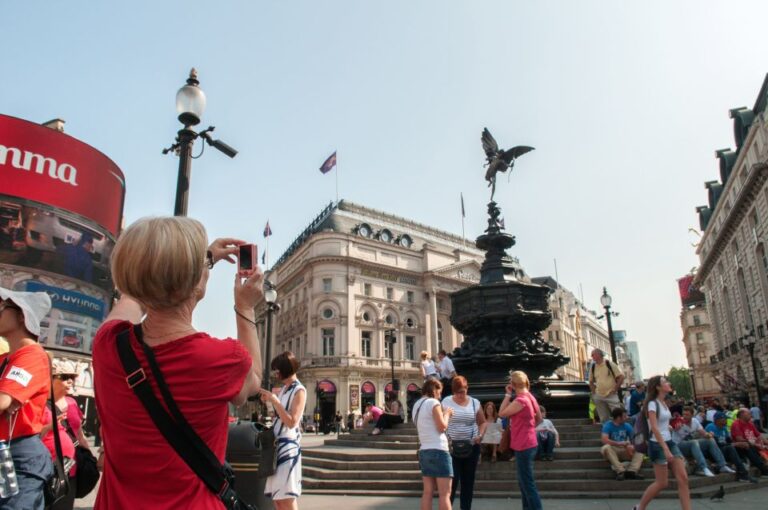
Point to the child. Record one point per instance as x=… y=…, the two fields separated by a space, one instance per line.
x=492 y=435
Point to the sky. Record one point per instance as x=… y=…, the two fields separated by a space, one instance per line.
x=625 y=103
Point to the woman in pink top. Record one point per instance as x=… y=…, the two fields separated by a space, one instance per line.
x=524 y=415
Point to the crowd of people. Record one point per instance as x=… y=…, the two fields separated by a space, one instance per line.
x=148 y=335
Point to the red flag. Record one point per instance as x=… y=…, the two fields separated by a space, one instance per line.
x=329 y=163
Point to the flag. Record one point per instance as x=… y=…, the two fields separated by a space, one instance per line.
x=267 y=230
x=263 y=259
x=329 y=163
x=463 y=214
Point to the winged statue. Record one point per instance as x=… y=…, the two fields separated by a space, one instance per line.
x=499 y=160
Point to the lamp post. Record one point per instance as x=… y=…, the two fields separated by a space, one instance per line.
x=693 y=384
x=750 y=341
x=190 y=103
x=270 y=296
x=606 y=301
x=392 y=339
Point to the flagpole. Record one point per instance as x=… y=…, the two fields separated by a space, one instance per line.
x=463 y=237
x=337 y=177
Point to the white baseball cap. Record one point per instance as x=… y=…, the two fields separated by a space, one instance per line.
x=34 y=305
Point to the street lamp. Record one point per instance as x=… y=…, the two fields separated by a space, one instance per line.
x=606 y=301
x=750 y=341
x=190 y=103
x=270 y=296
x=391 y=337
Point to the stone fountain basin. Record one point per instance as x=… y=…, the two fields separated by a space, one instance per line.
x=516 y=306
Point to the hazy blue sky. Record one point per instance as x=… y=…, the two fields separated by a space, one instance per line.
x=625 y=102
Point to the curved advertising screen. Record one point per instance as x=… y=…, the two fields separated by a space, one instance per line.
x=61 y=205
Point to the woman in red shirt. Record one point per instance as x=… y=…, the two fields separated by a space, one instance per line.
x=161 y=267
x=524 y=415
x=25 y=385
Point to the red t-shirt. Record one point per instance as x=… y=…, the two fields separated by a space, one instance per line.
x=26 y=378
x=745 y=430
x=67 y=446
x=522 y=425
x=141 y=469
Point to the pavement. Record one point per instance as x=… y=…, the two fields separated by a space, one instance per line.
x=746 y=500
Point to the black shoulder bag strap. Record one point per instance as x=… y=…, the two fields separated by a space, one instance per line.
x=188 y=445
x=58 y=463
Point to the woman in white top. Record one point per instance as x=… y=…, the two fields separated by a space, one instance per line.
x=284 y=487
x=428 y=368
x=431 y=421
x=465 y=430
x=661 y=448
x=493 y=429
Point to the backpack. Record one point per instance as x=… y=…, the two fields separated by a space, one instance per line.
x=608 y=363
x=642 y=431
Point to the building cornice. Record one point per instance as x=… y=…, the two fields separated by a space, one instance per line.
x=757 y=177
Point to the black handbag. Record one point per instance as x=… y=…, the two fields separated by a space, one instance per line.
x=218 y=477
x=267 y=443
x=87 y=474
x=461 y=448
x=56 y=488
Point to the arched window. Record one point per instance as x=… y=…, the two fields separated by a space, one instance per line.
x=745 y=307
x=732 y=331
x=760 y=370
x=762 y=271
x=439 y=336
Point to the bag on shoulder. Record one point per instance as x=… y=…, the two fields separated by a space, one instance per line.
x=642 y=431
x=87 y=471
x=461 y=448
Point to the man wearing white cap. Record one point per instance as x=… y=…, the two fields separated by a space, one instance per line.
x=25 y=385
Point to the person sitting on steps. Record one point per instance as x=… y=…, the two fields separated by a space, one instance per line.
x=617 y=446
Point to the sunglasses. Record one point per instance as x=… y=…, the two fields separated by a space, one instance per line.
x=65 y=377
x=8 y=304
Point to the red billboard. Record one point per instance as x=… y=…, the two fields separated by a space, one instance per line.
x=689 y=294
x=43 y=165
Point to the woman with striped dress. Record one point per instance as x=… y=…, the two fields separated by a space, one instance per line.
x=467 y=425
x=284 y=487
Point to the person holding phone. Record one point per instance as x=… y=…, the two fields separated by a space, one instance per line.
x=161 y=266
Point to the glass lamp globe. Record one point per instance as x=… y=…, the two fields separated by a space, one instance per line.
x=190 y=101
x=605 y=299
x=270 y=296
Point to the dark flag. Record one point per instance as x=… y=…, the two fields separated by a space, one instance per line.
x=329 y=163
x=263 y=260
x=463 y=215
x=267 y=230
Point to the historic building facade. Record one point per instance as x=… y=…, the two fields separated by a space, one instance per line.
x=733 y=271
x=354 y=277
x=699 y=349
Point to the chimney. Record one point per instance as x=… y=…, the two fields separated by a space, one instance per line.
x=55 y=124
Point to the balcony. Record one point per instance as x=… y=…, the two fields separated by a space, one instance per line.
x=355 y=361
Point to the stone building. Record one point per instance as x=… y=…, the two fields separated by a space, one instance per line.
x=733 y=271
x=698 y=341
x=354 y=274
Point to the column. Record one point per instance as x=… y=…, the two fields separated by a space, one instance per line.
x=433 y=311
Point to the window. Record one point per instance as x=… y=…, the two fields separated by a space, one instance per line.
x=366 y=317
x=409 y=322
x=390 y=293
x=328 y=341
x=440 y=304
x=696 y=320
x=327 y=313
x=410 y=351
x=327 y=284
x=386 y=347
x=367 y=289
x=365 y=344
x=290 y=345
x=760 y=369
x=410 y=296
x=389 y=319
x=699 y=338
x=439 y=336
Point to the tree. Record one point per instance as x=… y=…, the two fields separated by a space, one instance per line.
x=680 y=378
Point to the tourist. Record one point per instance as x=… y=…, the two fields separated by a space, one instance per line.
x=693 y=441
x=372 y=414
x=605 y=378
x=748 y=441
x=446 y=371
x=661 y=449
x=617 y=437
x=636 y=400
x=757 y=417
x=206 y=374
x=284 y=486
x=427 y=366
x=393 y=414
x=493 y=430
x=724 y=441
x=25 y=386
x=714 y=407
x=464 y=432
x=337 y=422
x=432 y=421
x=547 y=437
x=524 y=415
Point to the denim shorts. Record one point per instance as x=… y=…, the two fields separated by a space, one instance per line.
x=656 y=452
x=435 y=463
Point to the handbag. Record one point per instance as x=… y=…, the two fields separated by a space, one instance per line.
x=87 y=474
x=56 y=487
x=218 y=477
x=268 y=459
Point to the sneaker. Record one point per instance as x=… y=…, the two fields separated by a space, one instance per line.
x=726 y=469
x=634 y=475
x=705 y=472
x=620 y=476
x=744 y=477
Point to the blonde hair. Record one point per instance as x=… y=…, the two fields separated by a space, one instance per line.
x=518 y=379
x=424 y=354
x=160 y=261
